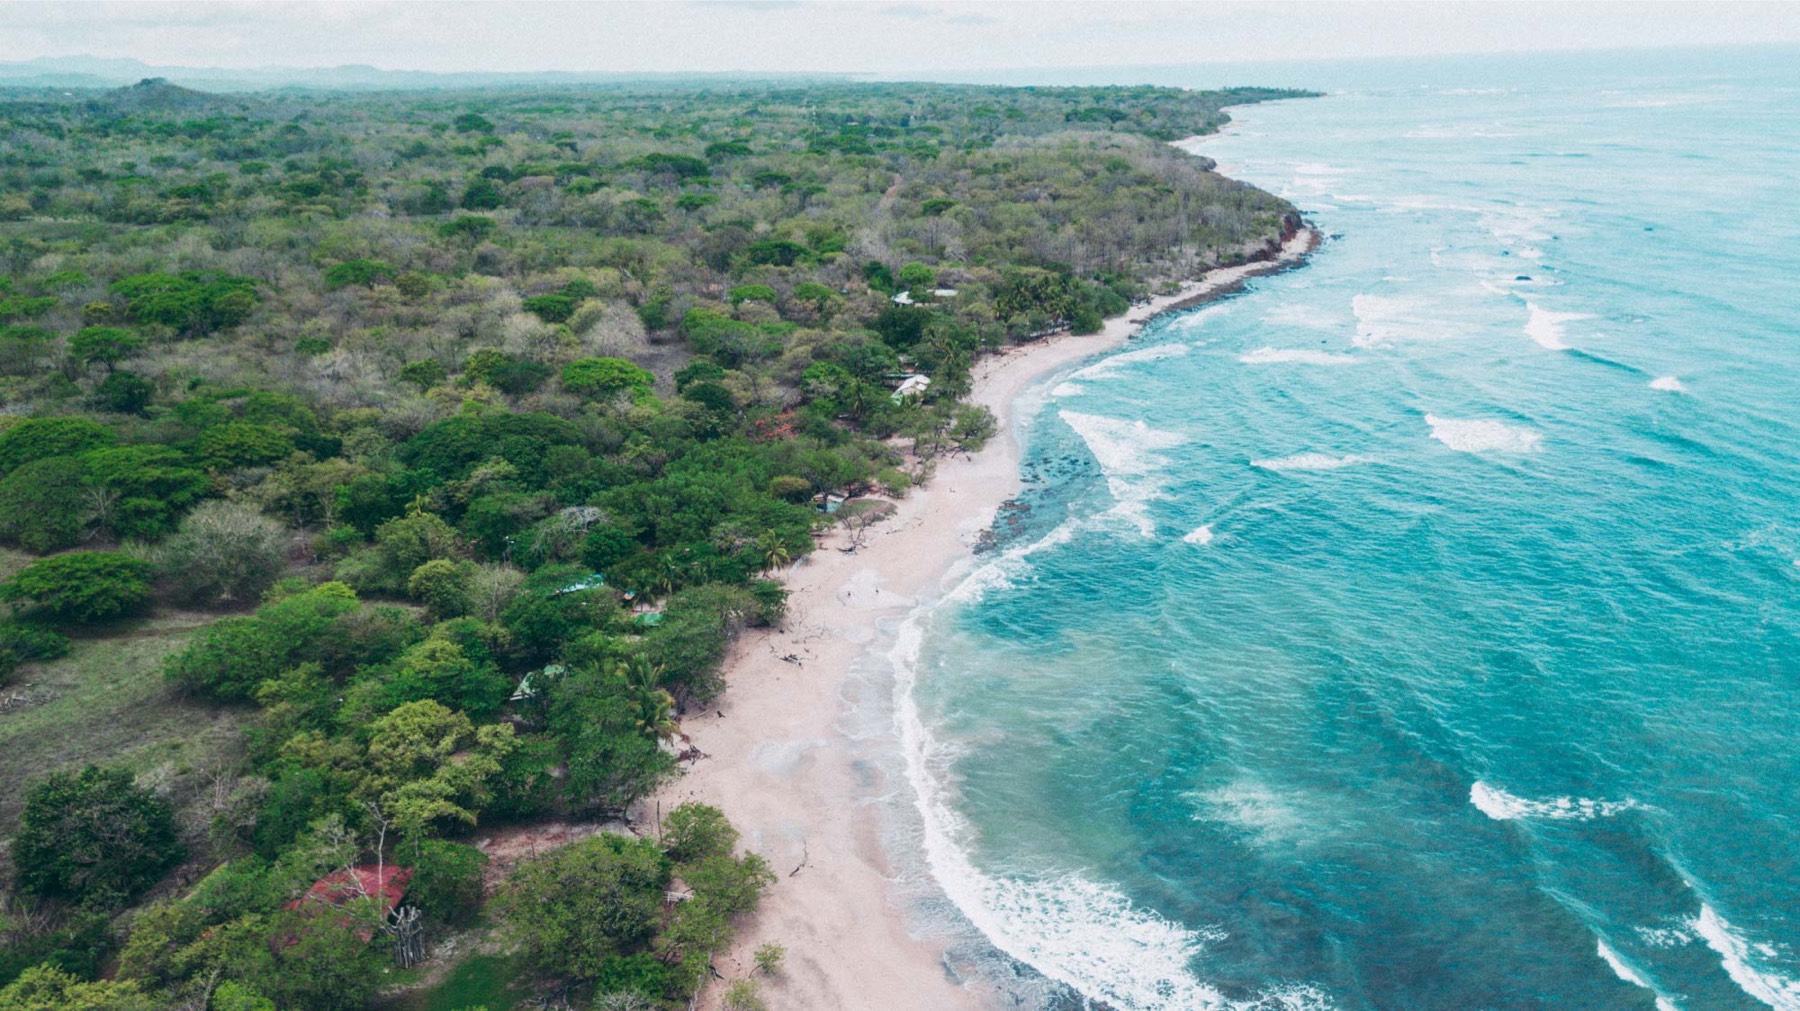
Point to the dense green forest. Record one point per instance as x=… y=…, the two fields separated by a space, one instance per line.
x=380 y=472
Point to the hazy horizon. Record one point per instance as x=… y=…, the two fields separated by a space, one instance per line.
x=890 y=39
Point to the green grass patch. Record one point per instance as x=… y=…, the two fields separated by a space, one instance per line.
x=476 y=981
x=106 y=703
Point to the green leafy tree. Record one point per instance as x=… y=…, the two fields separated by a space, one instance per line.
x=917 y=276
x=46 y=988
x=42 y=438
x=442 y=586
x=23 y=642
x=437 y=669
x=140 y=491
x=241 y=444
x=446 y=881
x=571 y=910
x=47 y=505
x=94 y=835
x=426 y=765
x=551 y=308
x=105 y=345
x=599 y=378
x=318 y=958
x=82 y=586
x=124 y=392
x=229 y=659
x=424 y=373
x=481 y=195
x=361 y=272
x=471 y=122
x=193 y=302
x=610 y=756
x=471 y=227
x=693 y=832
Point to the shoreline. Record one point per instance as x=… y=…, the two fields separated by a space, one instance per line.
x=781 y=760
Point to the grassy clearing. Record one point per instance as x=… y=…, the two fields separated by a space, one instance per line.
x=106 y=703
x=476 y=981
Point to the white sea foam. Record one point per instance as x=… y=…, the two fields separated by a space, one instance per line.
x=1546 y=327
x=1004 y=570
x=1668 y=384
x=1517 y=225
x=1665 y=937
x=1298 y=356
x=1383 y=320
x=1502 y=806
x=1192 y=320
x=1076 y=931
x=1200 y=535
x=1734 y=951
x=1632 y=976
x=1110 y=367
x=1310 y=461
x=1482 y=436
x=1303 y=314
x=1127 y=453
x=1067 y=390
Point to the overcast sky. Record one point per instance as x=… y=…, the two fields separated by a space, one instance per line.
x=874 y=37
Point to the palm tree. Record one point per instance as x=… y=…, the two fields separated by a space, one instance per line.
x=774 y=551
x=653 y=705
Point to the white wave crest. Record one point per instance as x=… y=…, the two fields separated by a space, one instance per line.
x=1668 y=384
x=1302 y=314
x=1734 y=951
x=1383 y=320
x=1502 y=806
x=1625 y=972
x=1004 y=571
x=1067 y=390
x=1310 y=461
x=1109 y=368
x=1546 y=327
x=1483 y=436
x=1200 y=535
x=1298 y=356
x=1078 y=932
x=1664 y=937
x=1127 y=452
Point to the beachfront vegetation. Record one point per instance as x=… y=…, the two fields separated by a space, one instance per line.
x=381 y=472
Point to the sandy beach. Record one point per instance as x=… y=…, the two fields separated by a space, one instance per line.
x=778 y=762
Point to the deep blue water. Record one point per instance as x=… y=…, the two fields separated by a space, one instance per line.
x=1420 y=629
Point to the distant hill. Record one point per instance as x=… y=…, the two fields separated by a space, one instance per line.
x=92 y=72
x=155 y=94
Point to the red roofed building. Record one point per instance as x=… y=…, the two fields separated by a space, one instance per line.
x=335 y=889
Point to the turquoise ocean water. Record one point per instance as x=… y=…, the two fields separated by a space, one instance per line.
x=1421 y=628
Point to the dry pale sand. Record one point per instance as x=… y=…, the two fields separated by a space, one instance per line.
x=778 y=763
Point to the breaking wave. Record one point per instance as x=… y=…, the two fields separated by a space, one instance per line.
x=1128 y=454
x=1483 y=436
x=1300 y=356
x=1310 y=461
x=1546 y=327
x=1632 y=976
x=1502 y=806
x=1735 y=954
